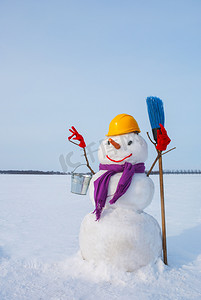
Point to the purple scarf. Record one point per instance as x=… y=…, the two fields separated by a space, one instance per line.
x=101 y=184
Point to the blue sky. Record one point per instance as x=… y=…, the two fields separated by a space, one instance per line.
x=80 y=63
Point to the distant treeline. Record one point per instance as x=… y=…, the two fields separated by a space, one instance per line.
x=32 y=172
x=177 y=172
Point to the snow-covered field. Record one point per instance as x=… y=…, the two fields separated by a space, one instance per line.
x=39 y=251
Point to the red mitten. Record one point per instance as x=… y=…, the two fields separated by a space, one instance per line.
x=77 y=137
x=162 y=139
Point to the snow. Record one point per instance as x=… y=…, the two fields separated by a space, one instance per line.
x=39 y=252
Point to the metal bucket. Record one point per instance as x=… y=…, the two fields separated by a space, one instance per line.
x=80 y=182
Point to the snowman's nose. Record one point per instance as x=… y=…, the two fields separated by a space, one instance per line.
x=116 y=145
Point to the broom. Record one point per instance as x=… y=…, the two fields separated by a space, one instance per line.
x=156 y=117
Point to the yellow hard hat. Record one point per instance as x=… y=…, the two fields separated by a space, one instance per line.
x=122 y=124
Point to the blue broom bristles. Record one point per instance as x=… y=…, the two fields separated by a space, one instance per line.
x=155 y=111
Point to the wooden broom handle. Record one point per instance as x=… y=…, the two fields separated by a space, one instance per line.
x=162 y=209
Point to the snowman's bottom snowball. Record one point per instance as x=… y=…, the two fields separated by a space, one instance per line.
x=122 y=238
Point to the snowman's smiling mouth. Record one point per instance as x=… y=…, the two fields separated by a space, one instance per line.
x=120 y=159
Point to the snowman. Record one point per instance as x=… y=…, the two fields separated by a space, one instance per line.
x=118 y=232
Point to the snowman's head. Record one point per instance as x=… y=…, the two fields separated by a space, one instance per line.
x=118 y=149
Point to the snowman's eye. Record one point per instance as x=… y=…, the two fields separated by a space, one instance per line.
x=108 y=142
x=129 y=143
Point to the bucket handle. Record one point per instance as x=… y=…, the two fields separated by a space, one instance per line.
x=78 y=167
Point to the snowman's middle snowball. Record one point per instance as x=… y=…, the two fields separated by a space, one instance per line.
x=101 y=184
